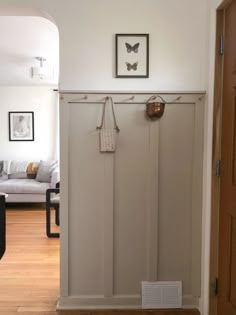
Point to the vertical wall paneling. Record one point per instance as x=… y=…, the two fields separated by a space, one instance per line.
x=108 y=223
x=175 y=193
x=152 y=201
x=197 y=170
x=131 y=170
x=87 y=202
x=135 y=214
x=64 y=204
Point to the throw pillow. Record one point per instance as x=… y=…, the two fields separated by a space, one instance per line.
x=45 y=170
x=32 y=170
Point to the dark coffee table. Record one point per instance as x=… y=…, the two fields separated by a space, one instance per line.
x=2 y=224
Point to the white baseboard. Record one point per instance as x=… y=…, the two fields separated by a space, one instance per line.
x=114 y=302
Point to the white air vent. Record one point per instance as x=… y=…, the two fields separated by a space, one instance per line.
x=162 y=294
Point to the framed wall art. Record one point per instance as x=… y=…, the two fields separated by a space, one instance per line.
x=21 y=126
x=132 y=55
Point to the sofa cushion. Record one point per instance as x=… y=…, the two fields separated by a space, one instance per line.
x=45 y=170
x=17 y=175
x=17 y=166
x=23 y=186
x=3 y=178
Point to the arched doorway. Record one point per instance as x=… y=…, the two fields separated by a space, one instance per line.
x=29 y=271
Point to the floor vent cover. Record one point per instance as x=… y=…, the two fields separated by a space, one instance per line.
x=162 y=294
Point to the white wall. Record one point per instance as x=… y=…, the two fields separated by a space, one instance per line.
x=87 y=41
x=176 y=44
x=43 y=102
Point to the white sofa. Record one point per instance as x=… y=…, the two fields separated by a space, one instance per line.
x=21 y=187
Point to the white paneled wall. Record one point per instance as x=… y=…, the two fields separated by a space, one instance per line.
x=136 y=214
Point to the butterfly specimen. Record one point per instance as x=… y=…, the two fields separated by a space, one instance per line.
x=134 y=66
x=132 y=48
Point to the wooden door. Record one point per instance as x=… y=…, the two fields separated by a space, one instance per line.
x=227 y=229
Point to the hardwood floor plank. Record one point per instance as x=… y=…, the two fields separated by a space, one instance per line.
x=35 y=309
x=6 y=309
x=29 y=271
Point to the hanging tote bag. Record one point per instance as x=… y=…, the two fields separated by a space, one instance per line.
x=107 y=136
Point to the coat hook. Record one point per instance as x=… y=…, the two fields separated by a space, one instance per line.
x=177 y=98
x=131 y=98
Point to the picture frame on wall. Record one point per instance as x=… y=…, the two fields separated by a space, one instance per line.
x=132 y=55
x=21 y=126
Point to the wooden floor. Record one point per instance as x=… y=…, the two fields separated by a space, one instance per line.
x=29 y=270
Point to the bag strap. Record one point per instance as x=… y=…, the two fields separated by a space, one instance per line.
x=114 y=116
x=153 y=97
x=103 y=113
x=113 y=113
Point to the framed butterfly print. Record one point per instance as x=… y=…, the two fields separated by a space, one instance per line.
x=132 y=55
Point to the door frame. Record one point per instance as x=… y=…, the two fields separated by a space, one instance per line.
x=216 y=156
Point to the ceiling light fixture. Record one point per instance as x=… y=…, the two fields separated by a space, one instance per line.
x=41 y=60
x=41 y=72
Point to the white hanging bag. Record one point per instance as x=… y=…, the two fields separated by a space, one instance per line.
x=107 y=136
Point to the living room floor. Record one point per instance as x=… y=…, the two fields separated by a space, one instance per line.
x=29 y=270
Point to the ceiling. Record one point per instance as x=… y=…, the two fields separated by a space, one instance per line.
x=23 y=38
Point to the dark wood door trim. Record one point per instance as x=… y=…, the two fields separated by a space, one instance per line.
x=215 y=189
x=224 y=4
x=216 y=156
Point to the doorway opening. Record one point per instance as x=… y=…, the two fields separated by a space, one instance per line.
x=29 y=51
